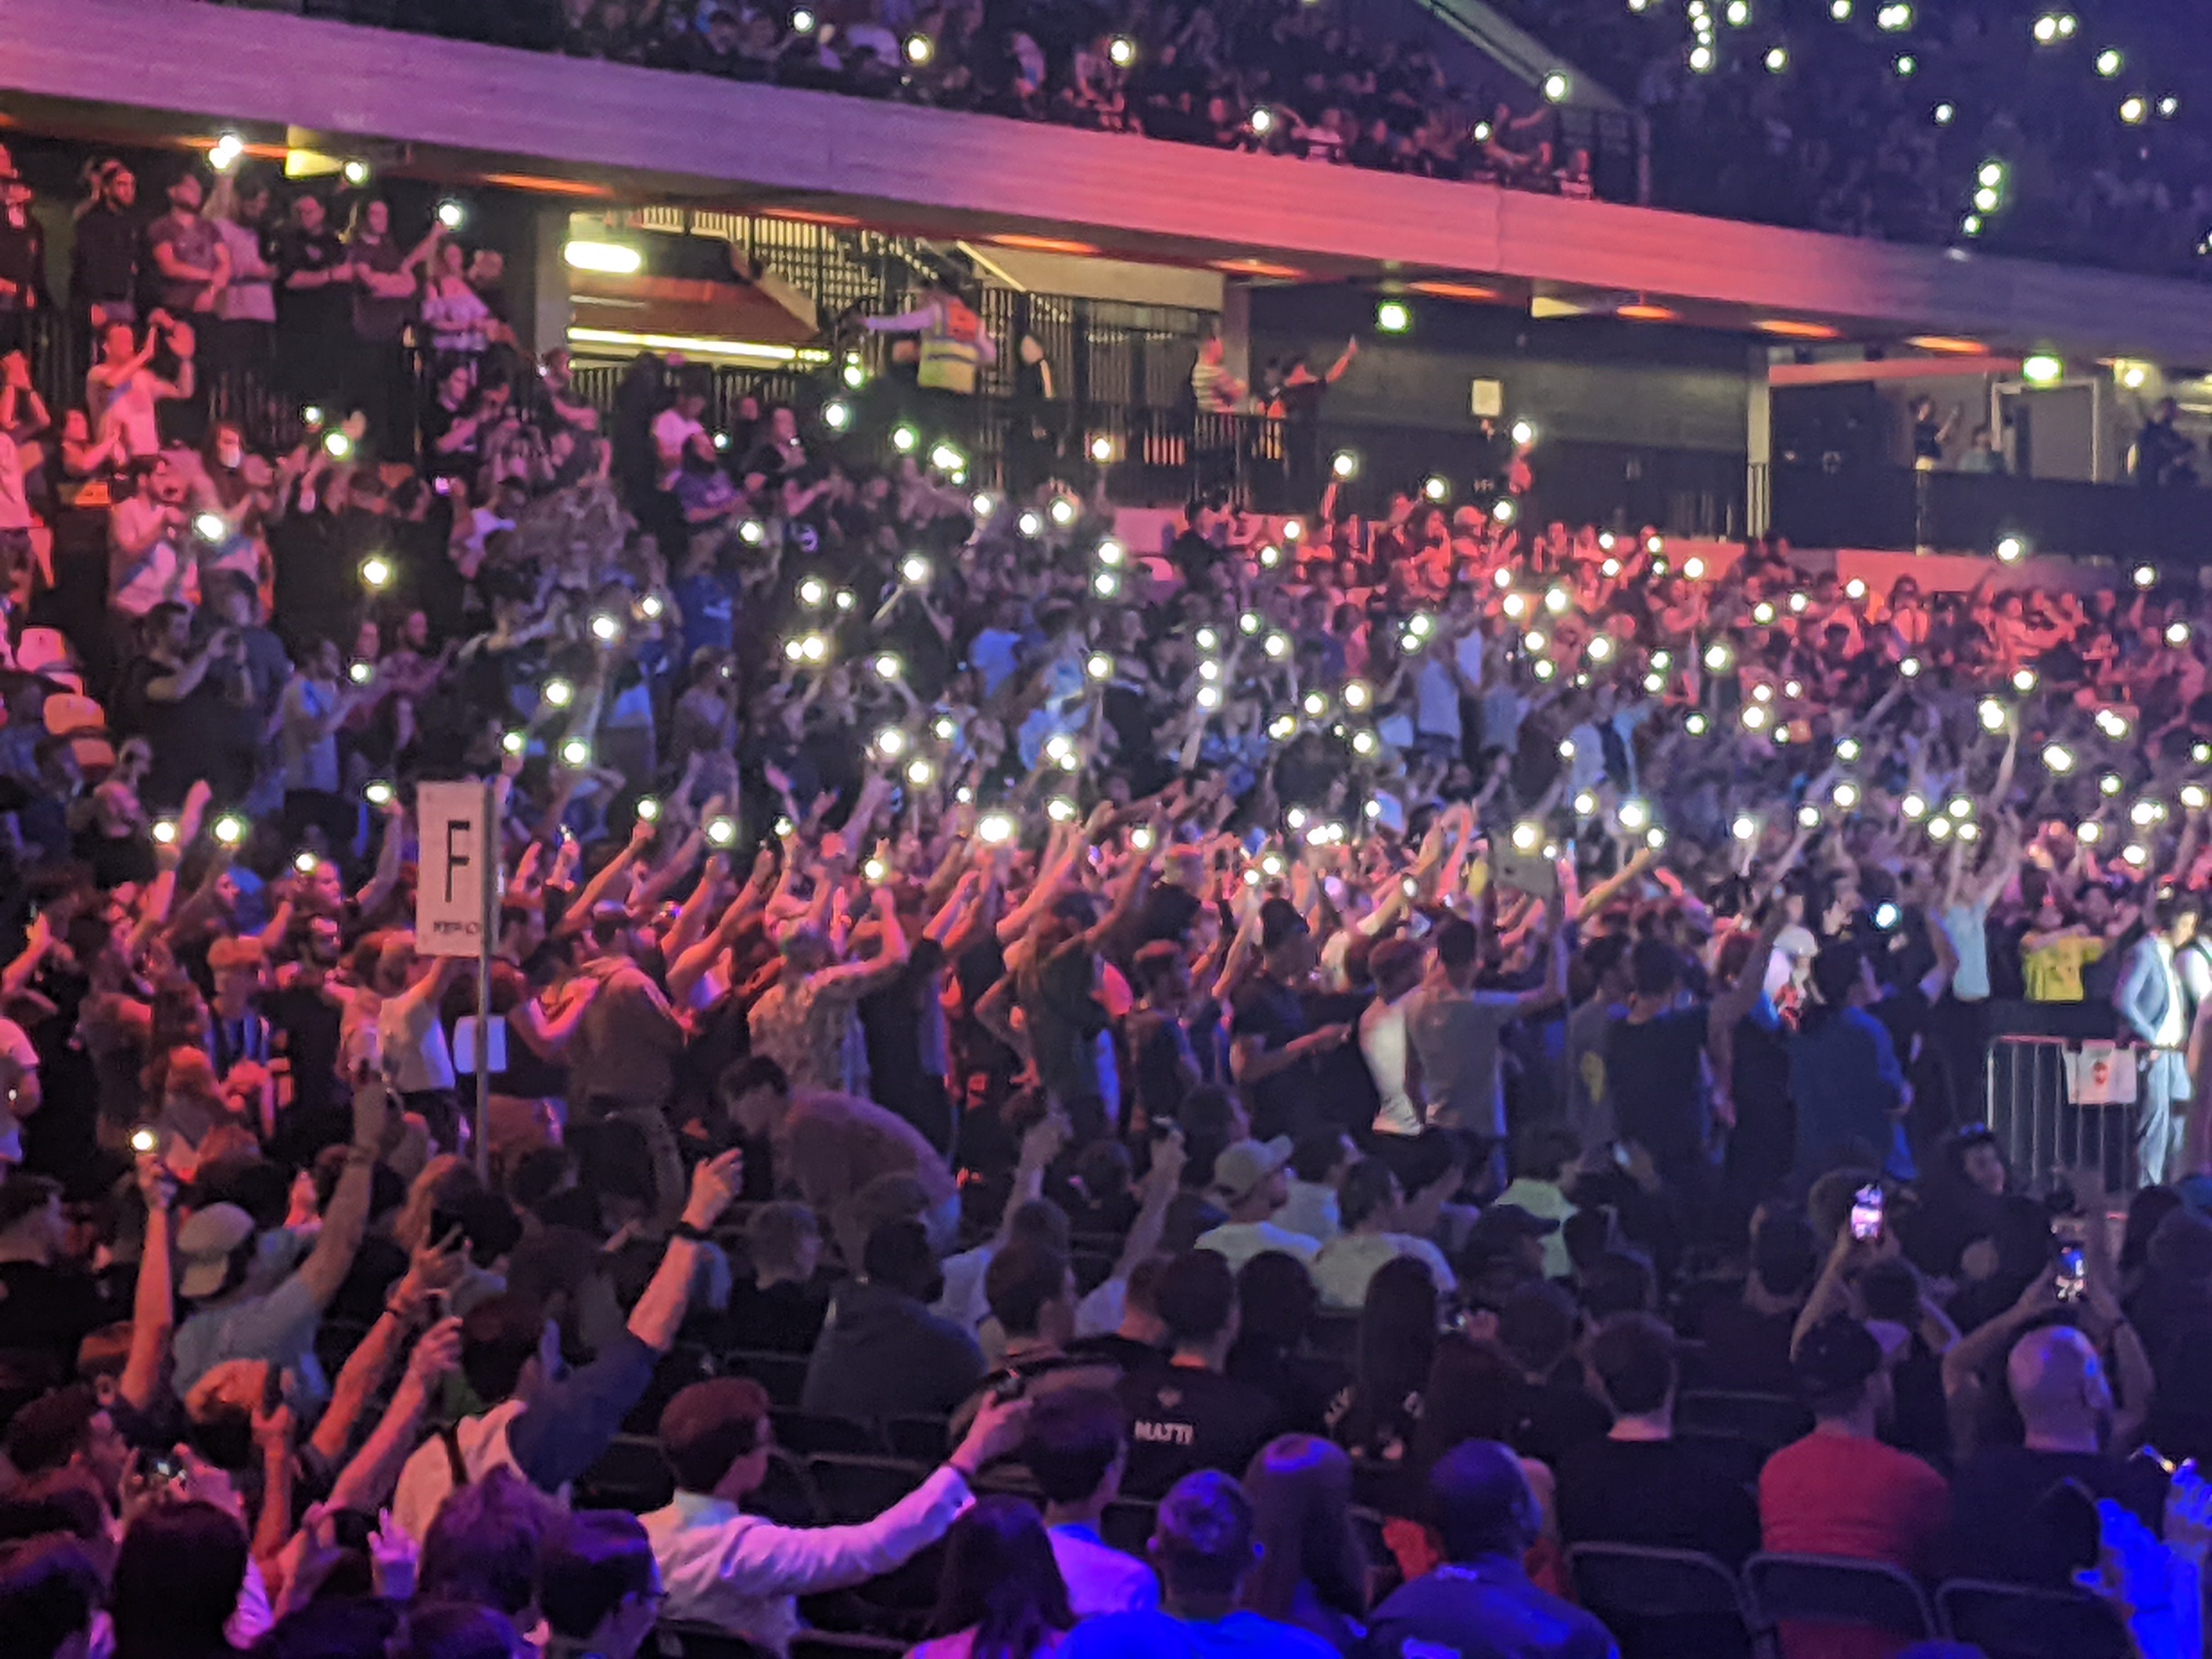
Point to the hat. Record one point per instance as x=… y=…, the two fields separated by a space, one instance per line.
x=207 y=1242
x=1243 y=1165
x=1498 y=1229
x=1835 y=1355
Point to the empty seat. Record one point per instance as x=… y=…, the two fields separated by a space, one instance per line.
x=860 y=1488
x=1768 y=1421
x=680 y=1638
x=1787 y=1590
x=1662 y=1604
x=2012 y=1621
x=925 y=1439
x=631 y=1474
x=787 y=1495
x=808 y=1434
x=783 y=1375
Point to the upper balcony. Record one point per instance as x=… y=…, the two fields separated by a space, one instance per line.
x=581 y=131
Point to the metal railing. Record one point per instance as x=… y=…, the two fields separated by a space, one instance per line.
x=2038 y=1109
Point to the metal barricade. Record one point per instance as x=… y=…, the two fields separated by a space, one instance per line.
x=2053 y=1110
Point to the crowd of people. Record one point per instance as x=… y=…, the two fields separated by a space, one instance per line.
x=1323 y=1039
x=1875 y=121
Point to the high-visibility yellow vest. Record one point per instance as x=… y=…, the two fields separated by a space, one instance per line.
x=951 y=350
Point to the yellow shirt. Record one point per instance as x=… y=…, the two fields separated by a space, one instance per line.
x=2054 y=972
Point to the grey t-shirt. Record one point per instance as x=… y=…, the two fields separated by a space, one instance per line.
x=1455 y=1034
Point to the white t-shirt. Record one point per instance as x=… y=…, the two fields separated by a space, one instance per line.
x=1435 y=700
x=1384 y=1045
x=1344 y=1267
x=411 y=1037
x=135 y=585
x=1239 y=1241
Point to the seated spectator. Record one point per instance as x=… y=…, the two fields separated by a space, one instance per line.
x=599 y=1586
x=1747 y=1338
x=1276 y=1302
x=1249 y=1183
x=1486 y=1607
x=779 y=1308
x=1371 y=1202
x=1031 y=1289
x=1840 y=1491
x=552 y=1430
x=2012 y=1516
x=1205 y=1550
x=882 y=1352
x=1313 y=1571
x=1185 y=1413
x=1640 y=1485
x=1077 y=1451
x=1318 y=1166
x=740 y=1573
x=1553 y=1410
x=177 y=1581
x=1546 y=1156
x=49 y=1588
x=1001 y=1596
x=1374 y=1417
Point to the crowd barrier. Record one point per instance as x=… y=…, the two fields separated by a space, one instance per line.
x=2058 y=1104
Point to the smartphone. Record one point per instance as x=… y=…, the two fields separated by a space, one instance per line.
x=165 y=1468
x=144 y=1141
x=1525 y=873
x=1866 y=1213
x=1009 y=1387
x=2073 y=1273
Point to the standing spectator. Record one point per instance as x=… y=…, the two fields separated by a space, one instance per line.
x=2164 y=457
x=1482 y=1605
x=599 y=1586
x=190 y=265
x=123 y=393
x=1455 y=1028
x=243 y=343
x=1274 y=1046
x=2152 y=1008
x=23 y=296
x=384 y=275
x=314 y=304
x=315 y=703
x=460 y=323
x=1077 y=1451
x=178 y=1573
x=105 y=250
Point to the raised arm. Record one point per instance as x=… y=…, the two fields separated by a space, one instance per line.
x=324 y=1270
x=153 y=1307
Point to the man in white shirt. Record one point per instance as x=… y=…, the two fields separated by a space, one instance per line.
x=1250 y=1182
x=1384 y=1043
x=1077 y=1451
x=1372 y=1201
x=1317 y=1166
x=146 y=562
x=676 y=430
x=740 y=1572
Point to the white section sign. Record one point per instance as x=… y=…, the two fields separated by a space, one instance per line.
x=454 y=822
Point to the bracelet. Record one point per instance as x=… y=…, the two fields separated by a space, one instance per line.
x=685 y=1230
x=358 y=1156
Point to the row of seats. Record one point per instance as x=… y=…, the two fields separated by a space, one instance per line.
x=1670 y=1604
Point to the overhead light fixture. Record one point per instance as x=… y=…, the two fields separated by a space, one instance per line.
x=2041 y=368
x=745 y=351
x=1444 y=290
x=1641 y=312
x=1788 y=328
x=608 y=259
x=1946 y=345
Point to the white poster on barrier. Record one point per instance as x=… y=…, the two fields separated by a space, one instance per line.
x=2100 y=1074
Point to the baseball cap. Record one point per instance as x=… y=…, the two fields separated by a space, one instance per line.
x=206 y=1243
x=1501 y=1226
x=1244 y=1164
x=1835 y=1355
x=1279 y=922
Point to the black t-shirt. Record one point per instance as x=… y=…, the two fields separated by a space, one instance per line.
x=1551 y=1419
x=309 y=1029
x=2012 y=1520
x=785 y=1318
x=104 y=261
x=48 y=1310
x=1669 y=1494
x=1654 y=1071
x=322 y=310
x=1287 y=1103
x=1182 y=1419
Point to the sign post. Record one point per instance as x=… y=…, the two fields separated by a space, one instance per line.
x=456 y=906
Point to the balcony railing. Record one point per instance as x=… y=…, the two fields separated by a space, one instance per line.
x=1894 y=508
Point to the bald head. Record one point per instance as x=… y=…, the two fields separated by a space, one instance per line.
x=2059 y=1384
